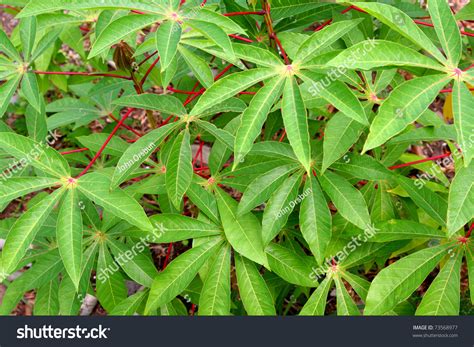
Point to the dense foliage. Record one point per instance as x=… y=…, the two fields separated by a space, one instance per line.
x=234 y=157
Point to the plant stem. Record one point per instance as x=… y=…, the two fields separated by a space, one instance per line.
x=230 y=14
x=90 y=74
x=420 y=161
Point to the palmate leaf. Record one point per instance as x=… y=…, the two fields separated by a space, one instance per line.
x=398 y=281
x=243 y=232
x=253 y=289
x=215 y=295
x=8 y=48
x=345 y=304
x=316 y=304
x=6 y=92
x=29 y=87
x=447 y=30
x=130 y=305
x=215 y=18
x=179 y=169
x=214 y=33
x=400 y=229
x=168 y=36
x=296 y=123
x=404 y=105
x=167 y=104
x=229 y=86
x=198 y=66
x=119 y=29
x=470 y=269
x=443 y=295
x=256 y=55
x=47 y=300
x=16 y=187
x=28 y=35
x=463 y=101
x=254 y=117
x=69 y=235
x=24 y=230
x=179 y=274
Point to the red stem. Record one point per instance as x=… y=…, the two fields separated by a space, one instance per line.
x=142 y=82
x=230 y=14
x=74 y=151
x=168 y=254
x=470 y=230
x=241 y=38
x=147 y=58
x=420 y=161
x=126 y=126
x=97 y=155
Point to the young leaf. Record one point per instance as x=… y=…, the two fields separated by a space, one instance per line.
x=179 y=274
x=215 y=295
x=253 y=289
x=179 y=169
x=316 y=304
x=345 y=305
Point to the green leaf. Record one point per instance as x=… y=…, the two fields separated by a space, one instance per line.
x=279 y=207
x=110 y=284
x=198 y=66
x=261 y=188
x=119 y=29
x=253 y=118
x=37 y=154
x=34 y=8
x=447 y=30
x=215 y=295
x=23 y=232
x=316 y=304
x=7 y=47
x=433 y=204
x=214 y=33
x=399 y=280
x=463 y=103
x=287 y=8
x=16 y=187
x=443 y=296
x=179 y=168
x=47 y=300
x=130 y=305
x=138 y=152
x=253 y=289
x=220 y=134
x=380 y=53
x=296 y=122
x=243 y=232
x=470 y=269
x=27 y=35
x=69 y=231
x=229 y=86
x=175 y=227
x=340 y=135
x=400 y=22
x=179 y=274
x=323 y=39
x=6 y=93
x=30 y=89
x=256 y=55
x=348 y=200
x=134 y=261
x=95 y=186
x=461 y=199
x=345 y=304
x=400 y=229
x=168 y=36
x=315 y=219
x=405 y=105
x=290 y=266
